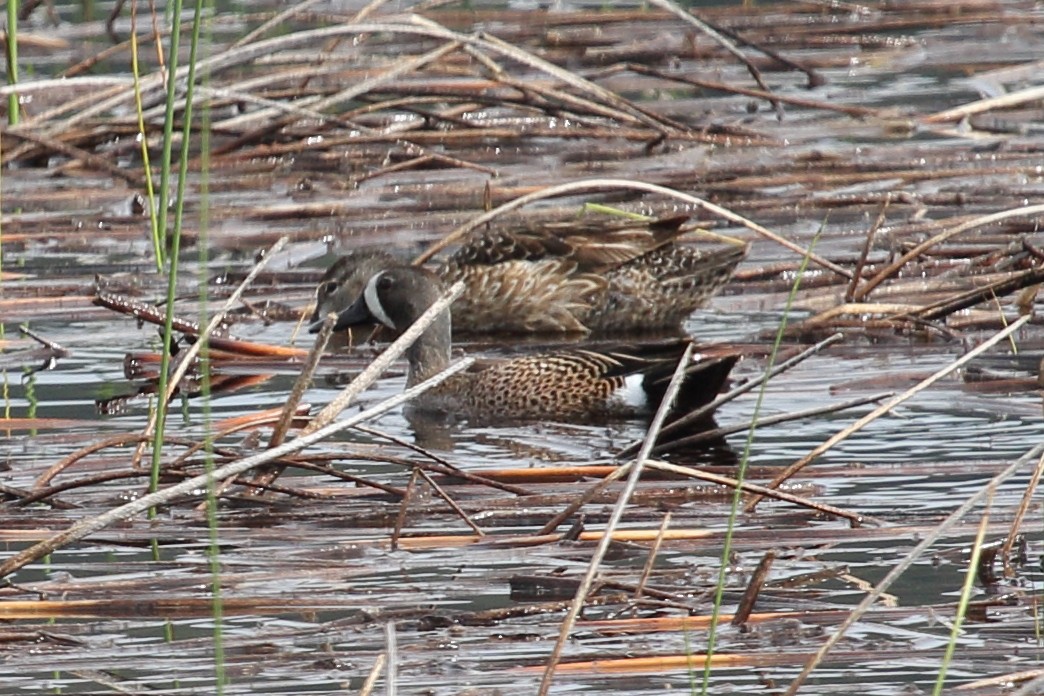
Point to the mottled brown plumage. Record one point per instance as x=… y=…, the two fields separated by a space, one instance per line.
x=574 y=385
x=626 y=279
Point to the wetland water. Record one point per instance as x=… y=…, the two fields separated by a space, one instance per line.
x=309 y=578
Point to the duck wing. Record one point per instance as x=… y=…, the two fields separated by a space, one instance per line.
x=591 y=248
x=662 y=288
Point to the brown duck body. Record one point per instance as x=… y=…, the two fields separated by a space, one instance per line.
x=578 y=386
x=523 y=281
x=575 y=385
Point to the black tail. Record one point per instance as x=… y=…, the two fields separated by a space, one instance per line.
x=704 y=380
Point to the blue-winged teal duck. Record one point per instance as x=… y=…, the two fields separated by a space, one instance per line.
x=631 y=278
x=572 y=385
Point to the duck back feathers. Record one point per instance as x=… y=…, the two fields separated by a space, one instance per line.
x=560 y=280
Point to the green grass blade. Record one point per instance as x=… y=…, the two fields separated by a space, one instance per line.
x=737 y=494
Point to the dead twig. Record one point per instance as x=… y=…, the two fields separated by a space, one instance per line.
x=1020 y=515
x=123 y=512
x=1017 y=281
x=265 y=476
x=853 y=293
x=457 y=509
x=689 y=17
x=651 y=560
x=856 y=519
x=404 y=504
x=750 y=596
x=981 y=221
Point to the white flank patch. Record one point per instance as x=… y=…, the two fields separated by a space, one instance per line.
x=374 y=303
x=631 y=393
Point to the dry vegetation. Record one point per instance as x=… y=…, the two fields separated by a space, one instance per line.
x=856 y=129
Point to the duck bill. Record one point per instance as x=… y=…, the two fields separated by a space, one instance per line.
x=356 y=314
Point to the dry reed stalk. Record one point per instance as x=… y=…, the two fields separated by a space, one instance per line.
x=1004 y=682
x=673 y=663
x=750 y=595
x=180 y=607
x=7 y=425
x=119 y=440
x=276 y=20
x=442 y=466
x=457 y=510
x=1032 y=687
x=690 y=18
x=257 y=419
x=855 y=518
x=886 y=407
x=930 y=538
x=89 y=526
x=699 y=622
x=265 y=476
x=45 y=494
x=234 y=57
x=374 y=675
x=653 y=552
x=405 y=65
x=404 y=503
x=186 y=359
x=422 y=161
x=980 y=221
x=447 y=465
x=852 y=292
x=991 y=291
x=855 y=111
x=391 y=669
x=587 y=496
x=141 y=311
x=302 y=382
x=88 y=160
x=825 y=318
x=634 y=475
x=223 y=430
x=585 y=185
x=335 y=473
x=625 y=109
x=957 y=113
x=1020 y=515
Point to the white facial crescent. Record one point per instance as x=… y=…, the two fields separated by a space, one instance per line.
x=373 y=303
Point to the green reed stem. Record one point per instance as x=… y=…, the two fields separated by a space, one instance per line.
x=737 y=493
x=962 y=604
x=150 y=193
x=175 y=237
x=13 y=107
x=610 y=210
x=168 y=119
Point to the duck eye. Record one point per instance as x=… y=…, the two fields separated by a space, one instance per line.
x=328 y=288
